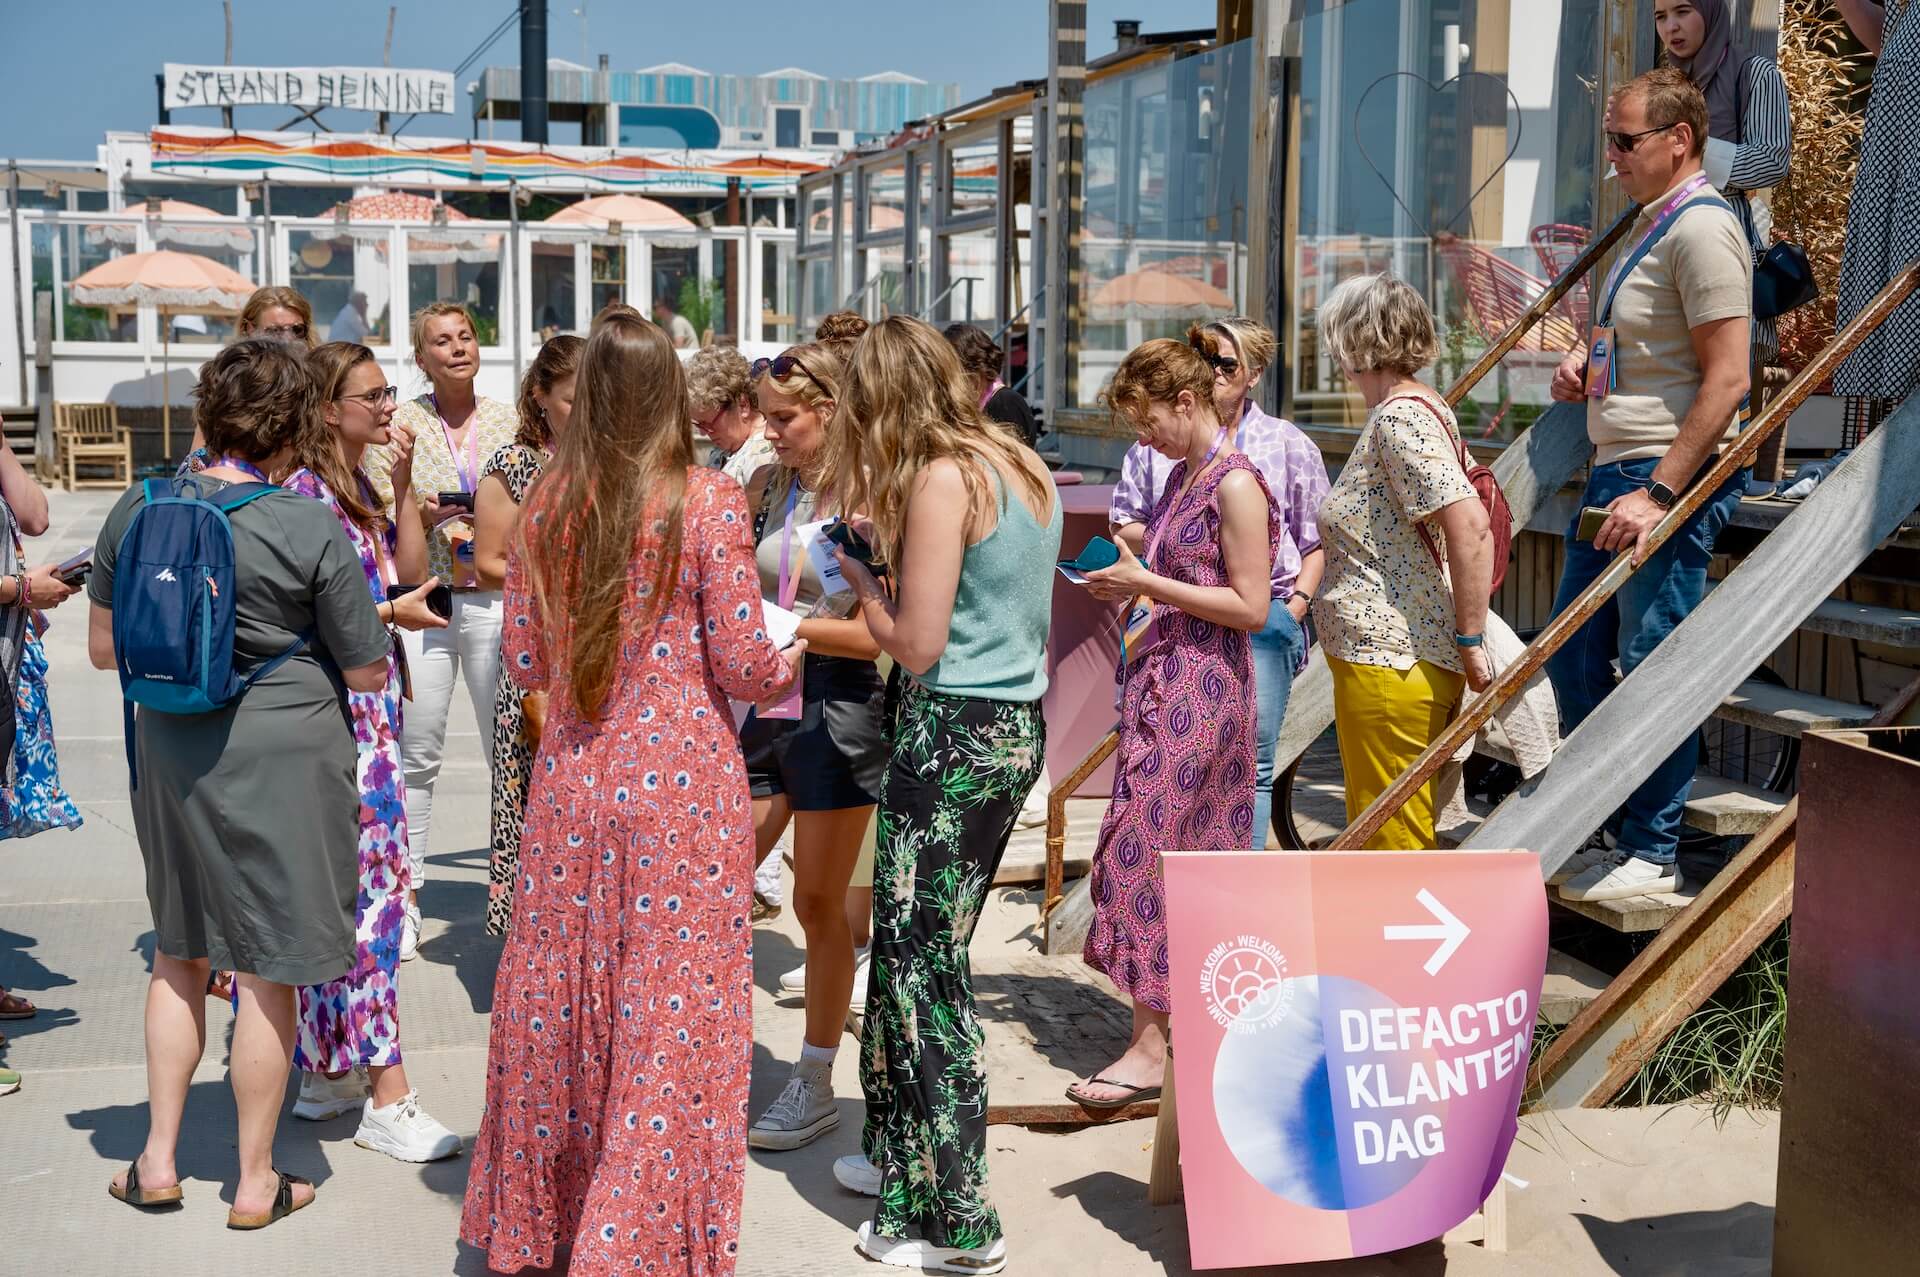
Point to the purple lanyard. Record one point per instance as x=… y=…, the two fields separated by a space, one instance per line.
x=1153 y=546
x=1686 y=192
x=243 y=466
x=472 y=467
x=789 y=580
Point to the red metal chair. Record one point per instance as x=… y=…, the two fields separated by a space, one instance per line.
x=1558 y=245
x=1497 y=294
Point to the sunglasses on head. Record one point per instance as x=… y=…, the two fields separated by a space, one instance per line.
x=286 y=332
x=1626 y=142
x=1225 y=365
x=759 y=366
x=785 y=365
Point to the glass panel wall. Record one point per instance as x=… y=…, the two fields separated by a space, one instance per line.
x=448 y=264
x=970 y=266
x=676 y=279
x=1467 y=174
x=328 y=269
x=1165 y=212
x=972 y=176
x=552 y=289
x=608 y=264
x=777 y=292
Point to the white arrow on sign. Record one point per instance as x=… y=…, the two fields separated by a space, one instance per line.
x=1449 y=931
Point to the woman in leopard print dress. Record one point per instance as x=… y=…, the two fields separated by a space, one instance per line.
x=546 y=401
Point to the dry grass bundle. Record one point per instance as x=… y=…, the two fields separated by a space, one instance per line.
x=1826 y=73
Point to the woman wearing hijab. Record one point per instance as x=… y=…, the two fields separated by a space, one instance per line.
x=1749 y=128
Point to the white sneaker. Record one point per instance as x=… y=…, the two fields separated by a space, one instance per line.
x=927 y=1257
x=1621 y=878
x=410 y=934
x=1598 y=850
x=856 y=1174
x=323 y=1097
x=862 y=968
x=406 y=1132
x=804 y=1112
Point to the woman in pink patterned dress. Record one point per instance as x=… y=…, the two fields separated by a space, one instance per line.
x=1183 y=776
x=349 y=1029
x=615 y=1119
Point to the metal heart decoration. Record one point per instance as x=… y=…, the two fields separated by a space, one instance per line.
x=1513 y=145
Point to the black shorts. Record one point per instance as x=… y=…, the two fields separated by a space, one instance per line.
x=835 y=753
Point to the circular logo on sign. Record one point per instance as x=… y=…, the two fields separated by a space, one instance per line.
x=1246 y=984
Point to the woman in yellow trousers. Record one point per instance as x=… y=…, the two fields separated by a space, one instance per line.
x=1403 y=603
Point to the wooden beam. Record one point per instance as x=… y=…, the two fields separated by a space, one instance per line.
x=1066 y=91
x=1265 y=163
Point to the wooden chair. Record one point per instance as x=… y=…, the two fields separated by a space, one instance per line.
x=90 y=434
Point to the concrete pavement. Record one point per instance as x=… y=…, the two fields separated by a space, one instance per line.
x=1608 y=1192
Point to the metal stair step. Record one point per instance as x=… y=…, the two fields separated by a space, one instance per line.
x=1787 y=712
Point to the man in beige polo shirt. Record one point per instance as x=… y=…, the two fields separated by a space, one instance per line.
x=1663 y=379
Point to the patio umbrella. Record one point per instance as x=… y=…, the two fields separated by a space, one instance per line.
x=174 y=284
x=403 y=206
x=634 y=211
x=880 y=217
x=1157 y=294
x=236 y=238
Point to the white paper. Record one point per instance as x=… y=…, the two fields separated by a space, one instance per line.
x=781 y=625
x=1072 y=573
x=820 y=553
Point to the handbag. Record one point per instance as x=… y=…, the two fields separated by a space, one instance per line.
x=1782 y=281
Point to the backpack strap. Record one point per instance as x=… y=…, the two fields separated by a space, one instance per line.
x=232 y=498
x=292 y=649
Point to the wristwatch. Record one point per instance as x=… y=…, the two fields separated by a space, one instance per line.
x=1662 y=495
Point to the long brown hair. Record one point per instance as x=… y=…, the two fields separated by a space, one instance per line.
x=262 y=300
x=558 y=360
x=910 y=403
x=318 y=446
x=615 y=489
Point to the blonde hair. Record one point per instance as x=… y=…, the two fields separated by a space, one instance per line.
x=1156 y=372
x=610 y=508
x=1377 y=322
x=1253 y=340
x=717 y=377
x=909 y=404
x=431 y=311
x=816 y=379
x=263 y=300
x=840 y=329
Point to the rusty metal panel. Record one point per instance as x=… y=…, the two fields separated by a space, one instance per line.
x=1850 y=1121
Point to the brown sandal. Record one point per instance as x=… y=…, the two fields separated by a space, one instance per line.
x=15 y=1007
x=283 y=1205
x=145 y=1198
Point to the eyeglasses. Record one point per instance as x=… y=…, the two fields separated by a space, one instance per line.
x=285 y=332
x=1626 y=142
x=374 y=398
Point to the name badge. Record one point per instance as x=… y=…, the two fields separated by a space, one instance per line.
x=1600 y=363
x=790 y=706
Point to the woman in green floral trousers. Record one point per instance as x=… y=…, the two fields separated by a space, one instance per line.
x=970 y=521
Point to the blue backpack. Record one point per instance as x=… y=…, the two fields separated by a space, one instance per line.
x=173 y=603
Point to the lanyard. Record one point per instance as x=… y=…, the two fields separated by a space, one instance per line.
x=1139 y=623
x=1624 y=266
x=992 y=390
x=243 y=466
x=789 y=579
x=1153 y=544
x=472 y=468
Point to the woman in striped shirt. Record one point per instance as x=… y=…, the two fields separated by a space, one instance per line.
x=1749 y=127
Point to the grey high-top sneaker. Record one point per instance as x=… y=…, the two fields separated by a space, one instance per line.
x=803 y=1113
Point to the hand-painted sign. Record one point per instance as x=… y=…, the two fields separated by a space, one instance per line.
x=349 y=88
x=1352 y=1035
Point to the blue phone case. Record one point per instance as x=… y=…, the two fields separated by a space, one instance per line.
x=1100 y=553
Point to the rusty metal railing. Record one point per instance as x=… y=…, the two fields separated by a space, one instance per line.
x=1562 y=627
x=1490 y=359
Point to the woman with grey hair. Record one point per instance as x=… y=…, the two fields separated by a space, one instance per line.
x=1403 y=605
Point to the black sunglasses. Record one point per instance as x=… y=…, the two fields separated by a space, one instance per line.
x=784 y=366
x=286 y=332
x=1626 y=142
x=1225 y=365
x=758 y=367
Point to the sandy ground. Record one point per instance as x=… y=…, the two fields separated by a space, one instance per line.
x=1624 y=1191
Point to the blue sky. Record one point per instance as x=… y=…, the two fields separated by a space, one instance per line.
x=78 y=68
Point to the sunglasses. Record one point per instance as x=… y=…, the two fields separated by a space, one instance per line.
x=784 y=366
x=1224 y=365
x=758 y=367
x=1626 y=142
x=376 y=397
x=285 y=332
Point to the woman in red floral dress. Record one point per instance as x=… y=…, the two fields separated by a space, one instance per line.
x=615 y=1121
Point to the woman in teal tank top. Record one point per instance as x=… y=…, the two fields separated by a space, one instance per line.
x=969 y=523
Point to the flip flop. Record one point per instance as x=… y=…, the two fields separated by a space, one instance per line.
x=144 y=1198
x=15 y=1007
x=1135 y=1095
x=283 y=1205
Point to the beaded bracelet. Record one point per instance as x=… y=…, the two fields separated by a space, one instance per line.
x=22 y=592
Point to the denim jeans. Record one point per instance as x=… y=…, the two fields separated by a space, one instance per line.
x=1657 y=597
x=1277 y=650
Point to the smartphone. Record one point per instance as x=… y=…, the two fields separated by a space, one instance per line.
x=439 y=598
x=73 y=573
x=844 y=535
x=1592 y=519
x=462 y=499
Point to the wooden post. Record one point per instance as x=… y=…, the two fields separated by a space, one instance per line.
x=226 y=112
x=386 y=60
x=1163 y=1176
x=1624 y=27
x=1267 y=162
x=1066 y=90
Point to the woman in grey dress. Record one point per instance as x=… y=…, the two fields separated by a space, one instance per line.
x=248 y=816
